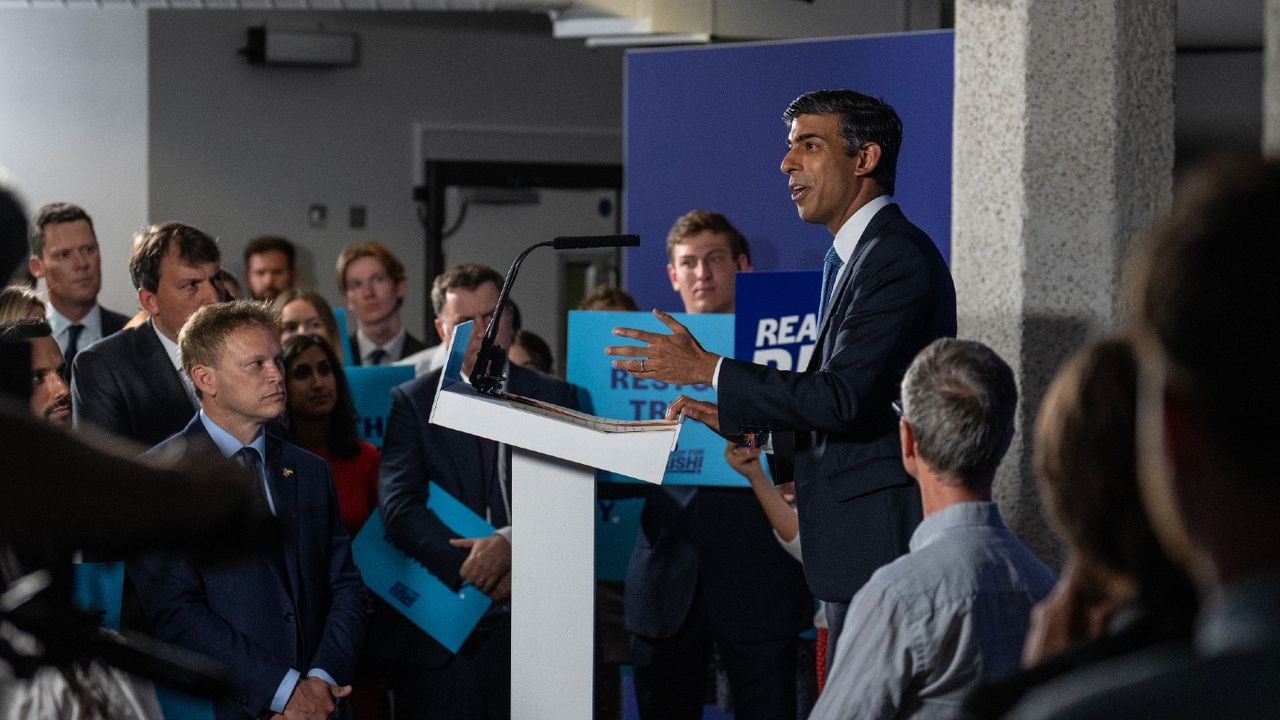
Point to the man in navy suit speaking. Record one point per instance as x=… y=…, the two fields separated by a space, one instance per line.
x=887 y=294
x=286 y=617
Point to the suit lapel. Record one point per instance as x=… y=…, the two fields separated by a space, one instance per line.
x=840 y=295
x=161 y=372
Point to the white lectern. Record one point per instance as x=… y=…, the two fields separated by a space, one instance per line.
x=554 y=456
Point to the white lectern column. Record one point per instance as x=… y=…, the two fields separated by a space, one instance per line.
x=552 y=587
x=554 y=457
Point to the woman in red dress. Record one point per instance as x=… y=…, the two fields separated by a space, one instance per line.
x=322 y=419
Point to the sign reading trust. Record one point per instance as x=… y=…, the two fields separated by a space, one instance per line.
x=699 y=459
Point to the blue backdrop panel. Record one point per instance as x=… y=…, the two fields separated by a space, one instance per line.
x=704 y=130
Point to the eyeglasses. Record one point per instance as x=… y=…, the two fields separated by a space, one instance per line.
x=897 y=408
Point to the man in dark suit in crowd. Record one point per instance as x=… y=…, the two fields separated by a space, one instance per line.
x=1202 y=310
x=50 y=397
x=887 y=293
x=64 y=251
x=706 y=570
x=372 y=281
x=429 y=681
x=269 y=266
x=286 y=617
x=131 y=383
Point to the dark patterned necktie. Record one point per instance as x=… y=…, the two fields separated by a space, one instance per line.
x=73 y=343
x=376 y=356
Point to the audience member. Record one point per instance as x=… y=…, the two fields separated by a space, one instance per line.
x=529 y=350
x=51 y=499
x=306 y=312
x=929 y=627
x=20 y=303
x=50 y=397
x=604 y=297
x=269 y=266
x=230 y=286
x=1202 y=311
x=428 y=680
x=132 y=384
x=322 y=419
x=1118 y=591
x=64 y=251
x=706 y=572
x=886 y=294
x=779 y=505
x=613 y=643
x=372 y=280
x=287 y=617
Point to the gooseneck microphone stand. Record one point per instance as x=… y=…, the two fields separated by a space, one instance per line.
x=489 y=374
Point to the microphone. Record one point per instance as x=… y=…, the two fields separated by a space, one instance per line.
x=489 y=374
x=578 y=242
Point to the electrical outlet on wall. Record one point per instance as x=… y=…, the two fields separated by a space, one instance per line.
x=318 y=216
x=357 y=217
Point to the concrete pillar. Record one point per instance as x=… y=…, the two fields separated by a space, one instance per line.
x=1271 y=80
x=1063 y=153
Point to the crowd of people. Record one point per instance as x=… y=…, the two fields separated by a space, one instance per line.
x=1149 y=455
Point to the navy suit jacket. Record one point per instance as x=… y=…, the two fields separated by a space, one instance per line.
x=241 y=610
x=112 y=322
x=719 y=542
x=126 y=384
x=857 y=505
x=415 y=452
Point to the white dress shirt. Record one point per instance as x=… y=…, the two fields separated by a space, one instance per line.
x=394 y=347
x=61 y=326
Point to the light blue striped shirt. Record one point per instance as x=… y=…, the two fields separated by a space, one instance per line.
x=932 y=625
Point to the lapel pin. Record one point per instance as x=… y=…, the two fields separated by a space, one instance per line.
x=288 y=472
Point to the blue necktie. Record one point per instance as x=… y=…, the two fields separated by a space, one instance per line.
x=376 y=356
x=830 y=270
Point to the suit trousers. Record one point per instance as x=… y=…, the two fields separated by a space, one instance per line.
x=475 y=684
x=835 y=613
x=671 y=673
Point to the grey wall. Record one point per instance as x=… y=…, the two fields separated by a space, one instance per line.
x=73 y=122
x=241 y=150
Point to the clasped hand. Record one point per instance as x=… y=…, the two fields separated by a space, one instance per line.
x=312 y=699
x=488 y=566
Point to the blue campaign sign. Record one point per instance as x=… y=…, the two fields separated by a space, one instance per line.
x=410 y=588
x=777 y=319
x=371 y=392
x=699 y=459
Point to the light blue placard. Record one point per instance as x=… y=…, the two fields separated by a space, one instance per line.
x=371 y=392
x=98 y=588
x=699 y=459
x=617 y=522
x=410 y=588
x=340 y=316
x=457 y=353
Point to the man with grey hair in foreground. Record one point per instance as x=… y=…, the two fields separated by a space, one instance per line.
x=952 y=613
